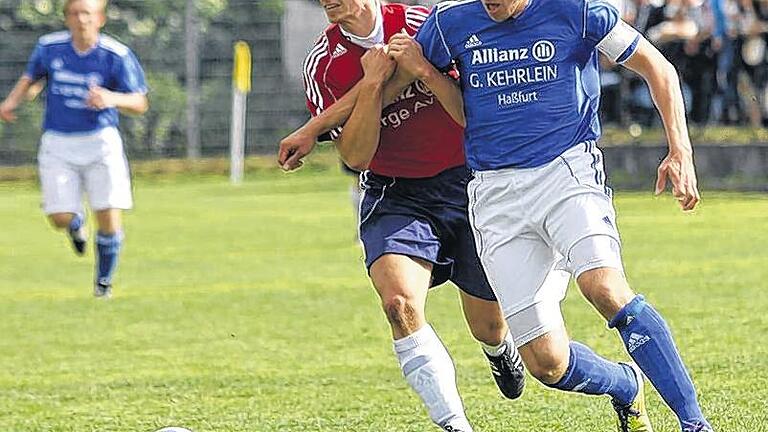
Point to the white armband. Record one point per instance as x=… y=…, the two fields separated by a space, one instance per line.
x=621 y=37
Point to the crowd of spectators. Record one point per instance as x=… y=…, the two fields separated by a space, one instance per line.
x=719 y=49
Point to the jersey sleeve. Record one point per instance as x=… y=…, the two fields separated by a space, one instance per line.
x=605 y=30
x=430 y=37
x=414 y=18
x=36 y=65
x=129 y=76
x=318 y=97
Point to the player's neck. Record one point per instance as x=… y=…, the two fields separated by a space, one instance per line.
x=519 y=7
x=362 y=24
x=83 y=43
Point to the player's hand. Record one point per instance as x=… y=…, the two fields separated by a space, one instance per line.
x=377 y=65
x=408 y=55
x=679 y=170
x=6 y=111
x=293 y=148
x=99 y=98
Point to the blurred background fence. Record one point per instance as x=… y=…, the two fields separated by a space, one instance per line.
x=185 y=46
x=191 y=100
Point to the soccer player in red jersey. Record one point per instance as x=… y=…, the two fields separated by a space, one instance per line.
x=413 y=220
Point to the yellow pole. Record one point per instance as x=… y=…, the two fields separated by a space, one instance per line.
x=241 y=85
x=242 y=69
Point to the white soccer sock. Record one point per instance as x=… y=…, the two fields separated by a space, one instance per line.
x=429 y=370
x=497 y=350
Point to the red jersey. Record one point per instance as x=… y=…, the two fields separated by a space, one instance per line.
x=418 y=137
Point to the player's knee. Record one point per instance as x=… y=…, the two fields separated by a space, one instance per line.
x=595 y=285
x=606 y=289
x=549 y=369
x=60 y=220
x=401 y=312
x=547 y=356
x=489 y=330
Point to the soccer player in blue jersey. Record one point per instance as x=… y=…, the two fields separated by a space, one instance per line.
x=539 y=201
x=89 y=78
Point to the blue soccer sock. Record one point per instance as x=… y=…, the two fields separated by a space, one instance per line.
x=76 y=222
x=589 y=373
x=108 y=248
x=650 y=343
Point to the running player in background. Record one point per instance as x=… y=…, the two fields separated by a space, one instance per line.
x=414 y=223
x=90 y=77
x=529 y=72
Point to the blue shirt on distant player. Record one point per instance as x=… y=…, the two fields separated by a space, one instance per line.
x=70 y=74
x=530 y=84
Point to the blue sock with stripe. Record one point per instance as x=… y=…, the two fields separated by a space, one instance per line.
x=649 y=341
x=108 y=250
x=588 y=373
x=76 y=222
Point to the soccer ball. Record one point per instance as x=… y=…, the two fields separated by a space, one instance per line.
x=173 y=429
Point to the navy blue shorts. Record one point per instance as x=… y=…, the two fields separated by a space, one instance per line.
x=427 y=219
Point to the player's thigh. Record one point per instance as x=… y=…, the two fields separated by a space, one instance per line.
x=529 y=285
x=401 y=278
x=581 y=224
x=392 y=222
x=60 y=183
x=459 y=246
x=108 y=182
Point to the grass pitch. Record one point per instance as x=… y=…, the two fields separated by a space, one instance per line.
x=248 y=309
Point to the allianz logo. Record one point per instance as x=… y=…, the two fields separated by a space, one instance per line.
x=542 y=51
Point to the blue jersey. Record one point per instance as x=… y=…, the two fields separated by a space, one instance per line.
x=530 y=84
x=109 y=64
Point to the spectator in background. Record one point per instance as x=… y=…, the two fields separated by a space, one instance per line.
x=752 y=71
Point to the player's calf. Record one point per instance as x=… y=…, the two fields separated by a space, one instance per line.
x=487 y=325
x=107 y=253
x=78 y=234
x=649 y=342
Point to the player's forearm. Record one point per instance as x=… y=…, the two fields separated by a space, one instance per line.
x=19 y=91
x=360 y=138
x=664 y=84
x=334 y=116
x=394 y=87
x=131 y=103
x=448 y=93
x=668 y=97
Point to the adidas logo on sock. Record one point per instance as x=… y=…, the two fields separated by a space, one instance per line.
x=636 y=341
x=473 y=42
x=338 y=51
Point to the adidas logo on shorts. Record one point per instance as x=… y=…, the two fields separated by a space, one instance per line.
x=636 y=341
x=473 y=42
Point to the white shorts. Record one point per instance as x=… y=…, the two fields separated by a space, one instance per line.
x=535 y=227
x=92 y=163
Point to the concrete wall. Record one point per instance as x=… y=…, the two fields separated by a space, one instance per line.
x=303 y=21
x=718 y=166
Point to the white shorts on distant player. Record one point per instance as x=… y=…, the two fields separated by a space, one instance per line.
x=94 y=164
x=531 y=221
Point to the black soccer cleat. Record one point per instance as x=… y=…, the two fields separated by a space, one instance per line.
x=79 y=238
x=700 y=426
x=508 y=371
x=102 y=290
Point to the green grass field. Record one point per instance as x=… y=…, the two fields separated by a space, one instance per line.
x=248 y=309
